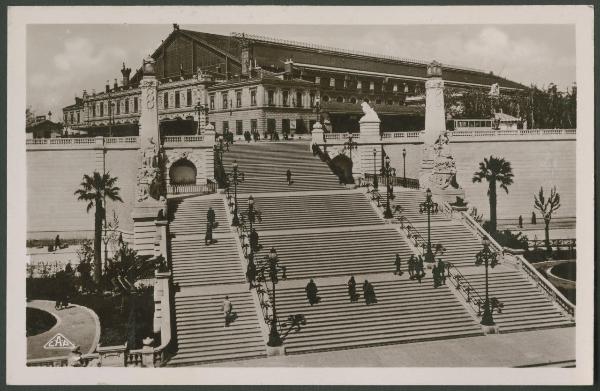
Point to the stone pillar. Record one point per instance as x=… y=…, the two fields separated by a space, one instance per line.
x=205 y=81
x=438 y=168
x=147 y=353
x=317 y=134
x=370 y=138
x=149 y=129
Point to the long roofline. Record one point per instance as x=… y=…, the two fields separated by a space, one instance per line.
x=306 y=45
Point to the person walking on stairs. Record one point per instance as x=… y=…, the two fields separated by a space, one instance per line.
x=254 y=241
x=352 y=290
x=398 y=264
x=369 y=293
x=227 y=310
x=251 y=271
x=288 y=174
x=420 y=269
x=442 y=271
x=210 y=216
x=436 y=276
x=208 y=238
x=311 y=293
x=411 y=267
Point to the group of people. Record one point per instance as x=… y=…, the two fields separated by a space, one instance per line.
x=416 y=268
x=368 y=291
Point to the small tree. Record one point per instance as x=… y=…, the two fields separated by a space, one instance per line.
x=547 y=207
x=94 y=190
x=494 y=171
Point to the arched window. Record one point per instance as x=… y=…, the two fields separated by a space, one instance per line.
x=182 y=172
x=340 y=99
x=325 y=98
x=353 y=100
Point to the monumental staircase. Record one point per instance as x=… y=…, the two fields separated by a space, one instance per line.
x=325 y=231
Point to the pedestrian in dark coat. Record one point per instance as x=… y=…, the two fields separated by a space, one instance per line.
x=208 y=239
x=352 y=290
x=370 y=297
x=210 y=216
x=411 y=267
x=520 y=221
x=254 y=241
x=311 y=292
x=442 y=271
x=398 y=264
x=251 y=271
x=436 y=277
x=288 y=174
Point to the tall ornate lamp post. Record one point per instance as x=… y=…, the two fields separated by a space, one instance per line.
x=273 y=268
x=430 y=207
x=375 y=181
x=219 y=169
x=350 y=144
x=254 y=215
x=488 y=258
x=387 y=171
x=404 y=166
x=236 y=177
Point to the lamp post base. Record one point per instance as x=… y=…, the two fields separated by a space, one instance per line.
x=490 y=329
x=276 y=350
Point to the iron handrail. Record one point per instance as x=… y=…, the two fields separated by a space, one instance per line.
x=464 y=287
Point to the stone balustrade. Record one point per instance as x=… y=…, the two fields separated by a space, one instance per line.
x=130 y=142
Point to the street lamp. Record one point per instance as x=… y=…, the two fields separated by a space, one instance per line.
x=488 y=258
x=375 y=181
x=273 y=268
x=430 y=207
x=404 y=166
x=254 y=215
x=350 y=145
x=236 y=177
x=219 y=169
x=387 y=171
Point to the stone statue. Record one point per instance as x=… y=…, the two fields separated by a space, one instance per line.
x=148 y=67
x=150 y=174
x=441 y=146
x=370 y=114
x=495 y=89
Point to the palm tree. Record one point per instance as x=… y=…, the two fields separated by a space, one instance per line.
x=94 y=190
x=494 y=170
x=547 y=207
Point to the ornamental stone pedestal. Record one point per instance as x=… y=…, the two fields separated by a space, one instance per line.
x=438 y=168
x=150 y=186
x=370 y=139
x=317 y=135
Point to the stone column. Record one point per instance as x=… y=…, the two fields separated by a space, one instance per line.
x=205 y=81
x=317 y=134
x=370 y=138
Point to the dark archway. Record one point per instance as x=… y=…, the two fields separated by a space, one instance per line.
x=342 y=166
x=182 y=172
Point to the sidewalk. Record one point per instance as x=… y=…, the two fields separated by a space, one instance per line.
x=78 y=324
x=536 y=347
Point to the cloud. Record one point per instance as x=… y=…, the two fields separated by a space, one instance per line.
x=80 y=53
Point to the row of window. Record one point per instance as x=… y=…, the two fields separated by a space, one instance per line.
x=188 y=100
x=287 y=99
x=287 y=125
x=71 y=116
x=360 y=85
x=114 y=107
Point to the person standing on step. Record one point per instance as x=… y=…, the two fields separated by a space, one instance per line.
x=288 y=174
x=311 y=292
x=251 y=271
x=227 y=310
x=210 y=216
x=398 y=264
x=520 y=221
x=442 y=271
x=411 y=267
x=352 y=290
x=370 y=294
x=420 y=269
x=208 y=238
x=254 y=241
x=436 y=276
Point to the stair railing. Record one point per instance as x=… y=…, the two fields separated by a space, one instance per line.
x=412 y=233
x=480 y=232
x=464 y=287
x=550 y=290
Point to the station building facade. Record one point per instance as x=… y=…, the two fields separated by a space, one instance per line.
x=263 y=85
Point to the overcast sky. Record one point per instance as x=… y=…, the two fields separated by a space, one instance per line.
x=62 y=60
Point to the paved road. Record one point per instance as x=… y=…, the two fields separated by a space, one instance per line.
x=78 y=324
x=502 y=350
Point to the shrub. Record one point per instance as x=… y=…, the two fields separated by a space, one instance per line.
x=508 y=239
